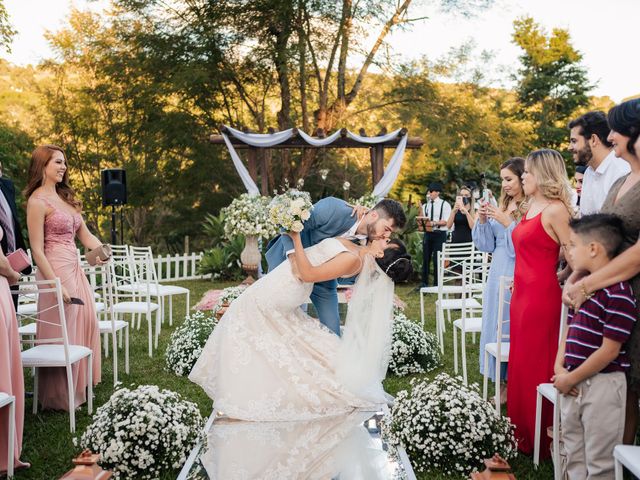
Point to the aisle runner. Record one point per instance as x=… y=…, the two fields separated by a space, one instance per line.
x=346 y=447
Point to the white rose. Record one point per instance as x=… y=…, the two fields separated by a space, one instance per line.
x=296 y=210
x=298 y=202
x=305 y=215
x=297 y=226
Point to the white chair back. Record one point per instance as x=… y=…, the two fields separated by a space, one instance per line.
x=46 y=286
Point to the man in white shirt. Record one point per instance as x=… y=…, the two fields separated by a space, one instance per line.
x=589 y=145
x=436 y=211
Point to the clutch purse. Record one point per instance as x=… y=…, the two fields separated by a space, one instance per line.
x=18 y=260
x=103 y=252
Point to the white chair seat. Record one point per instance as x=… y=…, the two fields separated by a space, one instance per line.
x=170 y=289
x=629 y=456
x=456 y=303
x=492 y=348
x=446 y=289
x=135 y=307
x=100 y=307
x=106 y=327
x=6 y=399
x=96 y=295
x=548 y=391
x=27 y=309
x=52 y=355
x=29 y=329
x=471 y=324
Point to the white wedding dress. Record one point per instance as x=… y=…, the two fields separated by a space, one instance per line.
x=267 y=360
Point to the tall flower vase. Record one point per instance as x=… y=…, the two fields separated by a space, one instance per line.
x=250 y=258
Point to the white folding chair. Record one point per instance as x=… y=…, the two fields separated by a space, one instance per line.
x=158 y=290
x=470 y=320
x=548 y=391
x=626 y=456
x=9 y=401
x=56 y=352
x=500 y=348
x=133 y=298
x=108 y=325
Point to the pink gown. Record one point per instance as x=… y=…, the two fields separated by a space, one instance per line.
x=60 y=229
x=11 y=377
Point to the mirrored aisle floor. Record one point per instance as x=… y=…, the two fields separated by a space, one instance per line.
x=345 y=447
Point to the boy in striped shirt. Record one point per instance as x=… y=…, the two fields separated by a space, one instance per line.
x=591 y=362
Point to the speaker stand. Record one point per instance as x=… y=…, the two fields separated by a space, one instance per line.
x=114 y=234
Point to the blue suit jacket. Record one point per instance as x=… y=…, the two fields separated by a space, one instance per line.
x=330 y=217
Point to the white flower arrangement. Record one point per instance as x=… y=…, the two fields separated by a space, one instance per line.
x=143 y=433
x=290 y=209
x=412 y=349
x=248 y=215
x=369 y=200
x=188 y=340
x=446 y=427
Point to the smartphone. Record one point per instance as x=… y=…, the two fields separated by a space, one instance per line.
x=76 y=301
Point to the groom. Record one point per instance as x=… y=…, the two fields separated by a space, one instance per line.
x=332 y=217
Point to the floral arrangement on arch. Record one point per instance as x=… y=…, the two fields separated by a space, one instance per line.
x=143 y=433
x=412 y=349
x=446 y=427
x=248 y=215
x=290 y=209
x=188 y=339
x=369 y=200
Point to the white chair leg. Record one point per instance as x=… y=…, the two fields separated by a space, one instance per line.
x=618 y=469
x=120 y=337
x=126 y=349
x=114 y=341
x=35 y=391
x=557 y=470
x=536 y=438
x=90 y=383
x=497 y=386
x=170 y=310
x=72 y=399
x=421 y=310
x=10 y=438
x=158 y=322
x=105 y=340
x=485 y=376
x=455 y=351
x=463 y=342
x=150 y=334
x=189 y=304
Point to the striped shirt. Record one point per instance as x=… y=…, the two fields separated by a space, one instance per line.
x=610 y=313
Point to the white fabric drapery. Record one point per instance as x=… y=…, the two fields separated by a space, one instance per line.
x=266 y=140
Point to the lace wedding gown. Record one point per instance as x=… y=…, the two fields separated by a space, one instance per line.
x=267 y=360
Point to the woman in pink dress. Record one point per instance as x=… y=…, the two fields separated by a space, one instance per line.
x=11 y=377
x=54 y=221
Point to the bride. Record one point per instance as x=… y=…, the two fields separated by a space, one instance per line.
x=267 y=360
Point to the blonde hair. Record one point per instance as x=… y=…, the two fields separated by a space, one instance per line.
x=551 y=175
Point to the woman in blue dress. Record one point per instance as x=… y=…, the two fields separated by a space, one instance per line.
x=492 y=233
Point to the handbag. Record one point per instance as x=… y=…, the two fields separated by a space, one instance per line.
x=18 y=260
x=103 y=252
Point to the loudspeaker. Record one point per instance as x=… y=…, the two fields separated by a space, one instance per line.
x=114 y=187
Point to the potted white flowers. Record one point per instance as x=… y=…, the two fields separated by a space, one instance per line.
x=248 y=216
x=446 y=427
x=412 y=349
x=143 y=433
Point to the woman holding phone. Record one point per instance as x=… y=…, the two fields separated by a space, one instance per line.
x=54 y=219
x=462 y=217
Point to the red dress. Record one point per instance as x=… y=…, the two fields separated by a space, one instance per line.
x=535 y=324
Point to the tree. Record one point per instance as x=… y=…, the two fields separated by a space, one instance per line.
x=552 y=84
x=6 y=30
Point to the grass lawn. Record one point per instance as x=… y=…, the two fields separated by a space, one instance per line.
x=48 y=444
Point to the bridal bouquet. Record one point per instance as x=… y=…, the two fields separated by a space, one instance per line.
x=446 y=427
x=144 y=433
x=290 y=209
x=248 y=215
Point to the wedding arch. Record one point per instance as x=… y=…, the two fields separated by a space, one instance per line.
x=259 y=144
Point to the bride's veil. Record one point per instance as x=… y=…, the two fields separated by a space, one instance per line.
x=363 y=355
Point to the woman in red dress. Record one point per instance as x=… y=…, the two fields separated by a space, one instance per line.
x=536 y=300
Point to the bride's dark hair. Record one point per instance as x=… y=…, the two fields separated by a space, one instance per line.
x=396 y=262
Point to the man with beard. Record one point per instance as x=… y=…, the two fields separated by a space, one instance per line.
x=589 y=145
